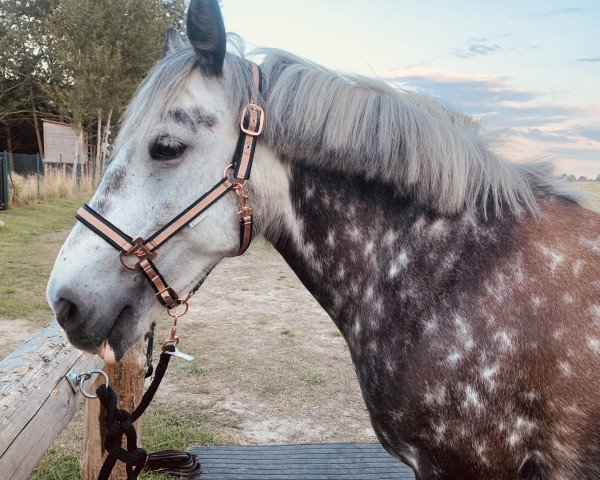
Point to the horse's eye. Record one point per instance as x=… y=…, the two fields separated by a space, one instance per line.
x=166 y=149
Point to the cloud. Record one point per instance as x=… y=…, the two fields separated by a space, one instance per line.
x=595 y=59
x=591 y=132
x=534 y=115
x=552 y=12
x=497 y=99
x=476 y=47
x=565 y=130
x=475 y=94
x=544 y=136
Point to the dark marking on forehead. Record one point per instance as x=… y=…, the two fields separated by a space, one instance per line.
x=112 y=183
x=115 y=179
x=193 y=118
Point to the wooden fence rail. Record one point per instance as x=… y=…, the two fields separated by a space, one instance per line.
x=36 y=402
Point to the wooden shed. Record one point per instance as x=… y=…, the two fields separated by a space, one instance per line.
x=62 y=145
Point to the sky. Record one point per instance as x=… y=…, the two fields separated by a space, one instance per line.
x=530 y=70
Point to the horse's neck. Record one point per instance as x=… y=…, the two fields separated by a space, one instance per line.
x=365 y=252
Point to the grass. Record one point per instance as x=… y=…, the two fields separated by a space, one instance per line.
x=288 y=334
x=162 y=429
x=313 y=378
x=191 y=367
x=26 y=258
x=271 y=388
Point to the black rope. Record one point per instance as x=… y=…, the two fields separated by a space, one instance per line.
x=119 y=423
x=150 y=338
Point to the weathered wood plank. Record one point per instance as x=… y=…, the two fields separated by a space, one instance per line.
x=328 y=461
x=36 y=402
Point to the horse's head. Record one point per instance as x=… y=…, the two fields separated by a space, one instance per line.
x=180 y=132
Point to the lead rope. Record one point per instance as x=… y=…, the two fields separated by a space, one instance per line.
x=119 y=423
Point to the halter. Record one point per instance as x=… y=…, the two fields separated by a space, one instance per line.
x=142 y=251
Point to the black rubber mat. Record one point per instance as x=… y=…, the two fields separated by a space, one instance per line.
x=325 y=461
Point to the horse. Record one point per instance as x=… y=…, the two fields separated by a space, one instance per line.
x=466 y=286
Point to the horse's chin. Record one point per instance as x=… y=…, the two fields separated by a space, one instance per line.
x=111 y=346
x=124 y=333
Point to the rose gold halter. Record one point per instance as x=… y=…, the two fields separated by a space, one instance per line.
x=138 y=252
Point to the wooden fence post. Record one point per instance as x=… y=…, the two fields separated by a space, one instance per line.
x=127 y=380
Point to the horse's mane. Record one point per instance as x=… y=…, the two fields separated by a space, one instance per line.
x=365 y=127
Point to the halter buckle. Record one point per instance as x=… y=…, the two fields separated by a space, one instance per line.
x=138 y=249
x=245 y=209
x=255 y=125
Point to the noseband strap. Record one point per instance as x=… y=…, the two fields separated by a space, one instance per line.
x=138 y=252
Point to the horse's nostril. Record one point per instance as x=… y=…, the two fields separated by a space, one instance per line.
x=72 y=310
x=66 y=312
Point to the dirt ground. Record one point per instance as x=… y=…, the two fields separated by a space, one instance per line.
x=270 y=366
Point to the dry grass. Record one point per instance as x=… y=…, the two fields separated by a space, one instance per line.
x=593 y=190
x=53 y=184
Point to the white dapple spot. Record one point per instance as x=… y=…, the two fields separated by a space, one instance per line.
x=558 y=334
x=578 y=267
x=594 y=312
x=554 y=258
x=453 y=358
x=398 y=264
x=514 y=438
x=390 y=238
x=437 y=396
x=439 y=430
x=567 y=299
x=480 y=449
x=438 y=228
x=331 y=238
x=593 y=344
x=504 y=341
x=369 y=247
x=431 y=325
x=471 y=400
x=309 y=191
x=488 y=372
x=378 y=304
x=463 y=333
x=592 y=243
x=565 y=368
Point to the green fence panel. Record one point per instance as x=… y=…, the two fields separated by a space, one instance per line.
x=4 y=182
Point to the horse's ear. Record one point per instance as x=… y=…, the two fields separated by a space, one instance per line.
x=173 y=41
x=206 y=32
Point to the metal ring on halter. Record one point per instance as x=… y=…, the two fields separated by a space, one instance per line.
x=178 y=315
x=227 y=168
x=236 y=181
x=123 y=256
x=86 y=376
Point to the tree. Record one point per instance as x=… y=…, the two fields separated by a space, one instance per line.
x=80 y=60
x=23 y=61
x=598 y=178
x=100 y=50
